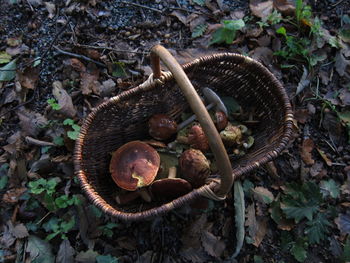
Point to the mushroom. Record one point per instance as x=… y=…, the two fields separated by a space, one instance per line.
x=161 y=127
x=128 y=197
x=214 y=102
x=220 y=120
x=231 y=135
x=195 y=167
x=134 y=165
x=170 y=188
x=197 y=138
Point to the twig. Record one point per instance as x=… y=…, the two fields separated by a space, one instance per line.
x=337 y=3
x=79 y=56
x=143 y=6
x=33 y=141
x=113 y=49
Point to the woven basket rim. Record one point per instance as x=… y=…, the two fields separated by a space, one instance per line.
x=97 y=200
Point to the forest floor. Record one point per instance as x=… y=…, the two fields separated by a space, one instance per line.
x=60 y=59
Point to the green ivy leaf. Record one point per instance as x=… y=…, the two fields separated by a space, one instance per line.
x=299 y=252
x=73 y=134
x=227 y=33
x=58 y=140
x=301 y=201
x=39 y=250
x=119 y=70
x=199 y=30
x=331 y=188
x=106 y=259
x=68 y=121
x=346 y=252
x=3 y=176
x=317 y=229
x=8 y=72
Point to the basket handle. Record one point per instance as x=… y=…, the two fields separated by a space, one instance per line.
x=158 y=53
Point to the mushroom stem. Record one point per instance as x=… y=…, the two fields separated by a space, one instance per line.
x=172 y=172
x=128 y=197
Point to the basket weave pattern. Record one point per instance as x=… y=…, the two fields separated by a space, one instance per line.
x=124 y=118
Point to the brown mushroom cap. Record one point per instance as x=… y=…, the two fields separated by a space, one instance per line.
x=134 y=165
x=170 y=188
x=161 y=127
x=195 y=167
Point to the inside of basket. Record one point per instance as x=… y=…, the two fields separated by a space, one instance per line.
x=119 y=123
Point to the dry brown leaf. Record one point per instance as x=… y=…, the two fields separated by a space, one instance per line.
x=261 y=231
x=345 y=188
x=324 y=157
x=180 y=15
x=108 y=86
x=261 y=8
x=301 y=115
x=12 y=196
x=251 y=220
x=317 y=170
x=76 y=64
x=341 y=63
x=344 y=96
x=212 y=244
x=63 y=99
x=20 y=231
x=31 y=122
x=191 y=235
x=127 y=242
x=28 y=78
x=263 y=195
x=89 y=81
x=192 y=255
x=262 y=54
x=306 y=149
x=286 y=7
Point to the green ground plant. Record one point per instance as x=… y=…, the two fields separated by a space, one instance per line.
x=227 y=33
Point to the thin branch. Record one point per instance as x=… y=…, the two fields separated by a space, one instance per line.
x=142 y=6
x=37 y=142
x=79 y=56
x=113 y=49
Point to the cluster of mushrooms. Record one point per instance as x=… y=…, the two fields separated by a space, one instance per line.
x=137 y=166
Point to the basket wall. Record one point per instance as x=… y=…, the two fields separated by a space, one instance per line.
x=125 y=118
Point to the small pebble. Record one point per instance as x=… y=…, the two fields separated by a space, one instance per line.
x=167 y=35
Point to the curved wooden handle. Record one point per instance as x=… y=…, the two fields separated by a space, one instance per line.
x=197 y=106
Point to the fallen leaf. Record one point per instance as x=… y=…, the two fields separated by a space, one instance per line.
x=261 y=9
x=31 y=122
x=39 y=250
x=344 y=96
x=263 y=195
x=191 y=235
x=63 y=99
x=329 y=187
x=303 y=82
x=14 y=41
x=20 y=231
x=317 y=170
x=239 y=216
x=345 y=188
x=76 y=64
x=28 y=78
x=4 y=57
x=286 y=7
x=324 y=157
x=51 y=8
x=301 y=115
x=191 y=255
x=8 y=72
x=7 y=239
x=343 y=223
x=89 y=81
x=108 y=86
x=65 y=252
x=179 y=15
x=341 y=63
x=88 y=256
x=212 y=244
x=262 y=54
x=12 y=196
x=306 y=149
x=127 y=242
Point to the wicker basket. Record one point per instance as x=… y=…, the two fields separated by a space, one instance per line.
x=124 y=118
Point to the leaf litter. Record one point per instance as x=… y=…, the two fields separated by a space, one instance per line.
x=79 y=85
